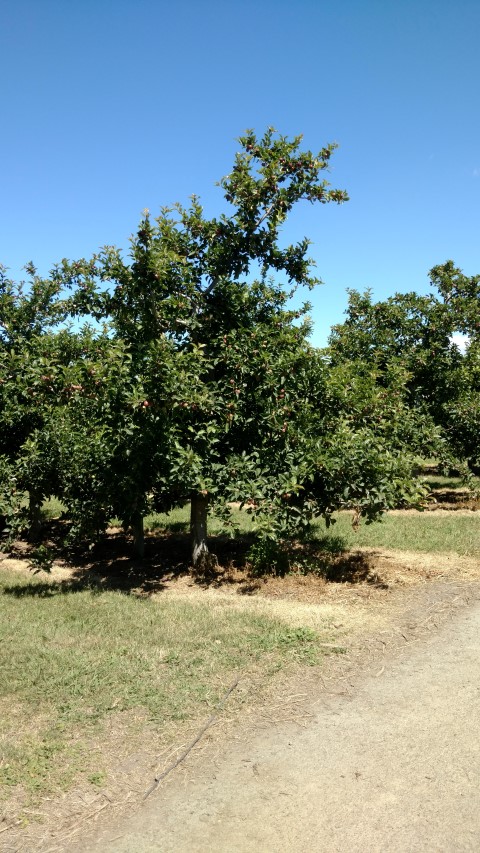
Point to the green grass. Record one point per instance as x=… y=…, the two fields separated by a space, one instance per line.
x=440 y=481
x=178 y=520
x=71 y=659
x=428 y=532
x=52 y=508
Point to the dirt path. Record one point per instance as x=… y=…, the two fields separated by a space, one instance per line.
x=393 y=766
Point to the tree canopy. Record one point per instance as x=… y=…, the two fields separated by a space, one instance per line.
x=416 y=334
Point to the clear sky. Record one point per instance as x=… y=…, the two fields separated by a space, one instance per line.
x=111 y=106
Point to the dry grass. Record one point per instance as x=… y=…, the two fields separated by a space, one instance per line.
x=91 y=673
x=107 y=758
x=129 y=748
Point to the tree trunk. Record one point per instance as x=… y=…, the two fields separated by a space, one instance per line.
x=138 y=535
x=34 y=516
x=198 y=531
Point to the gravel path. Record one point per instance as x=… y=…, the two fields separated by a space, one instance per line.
x=393 y=767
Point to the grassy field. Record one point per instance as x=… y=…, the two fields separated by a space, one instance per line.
x=442 y=481
x=77 y=659
x=72 y=660
x=430 y=532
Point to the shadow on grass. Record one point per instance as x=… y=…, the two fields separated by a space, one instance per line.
x=41 y=590
x=330 y=544
x=331 y=558
x=354 y=568
x=108 y=565
x=328 y=558
x=171 y=527
x=459 y=496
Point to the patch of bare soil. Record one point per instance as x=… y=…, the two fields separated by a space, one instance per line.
x=372 y=606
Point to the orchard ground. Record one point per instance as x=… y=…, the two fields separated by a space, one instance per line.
x=112 y=666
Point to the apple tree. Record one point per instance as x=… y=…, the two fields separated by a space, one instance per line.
x=201 y=310
x=415 y=334
x=30 y=311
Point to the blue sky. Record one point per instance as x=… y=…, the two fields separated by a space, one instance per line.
x=111 y=106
